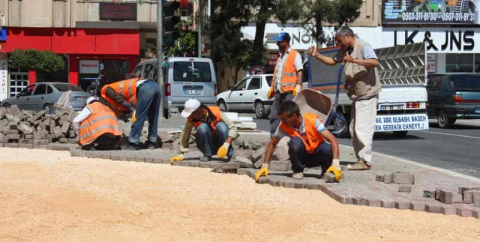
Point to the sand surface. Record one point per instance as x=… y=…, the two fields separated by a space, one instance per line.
x=50 y=196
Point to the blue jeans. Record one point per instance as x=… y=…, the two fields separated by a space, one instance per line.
x=208 y=141
x=148 y=106
x=300 y=159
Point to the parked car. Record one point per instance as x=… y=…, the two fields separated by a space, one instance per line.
x=42 y=96
x=247 y=95
x=452 y=97
x=184 y=78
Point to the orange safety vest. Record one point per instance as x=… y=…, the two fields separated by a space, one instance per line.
x=126 y=88
x=314 y=138
x=102 y=120
x=213 y=110
x=289 y=73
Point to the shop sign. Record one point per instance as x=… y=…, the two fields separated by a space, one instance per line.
x=3 y=77
x=118 y=11
x=444 y=41
x=272 y=58
x=401 y=122
x=89 y=66
x=444 y=12
x=431 y=63
x=257 y=70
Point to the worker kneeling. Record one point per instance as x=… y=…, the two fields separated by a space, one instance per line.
x=215 y=132
x=307 y=143
x=99 y=128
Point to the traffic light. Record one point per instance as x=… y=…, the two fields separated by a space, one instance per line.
x=170 y=34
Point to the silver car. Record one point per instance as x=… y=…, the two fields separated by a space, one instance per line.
x=42 y=96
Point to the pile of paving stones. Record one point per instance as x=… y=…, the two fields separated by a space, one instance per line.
x=26 y=127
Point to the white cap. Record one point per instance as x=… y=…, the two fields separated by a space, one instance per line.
x=190 y=106
x=91 y=99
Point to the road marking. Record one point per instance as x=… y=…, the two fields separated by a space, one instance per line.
x=452 y=173
x=457 y=135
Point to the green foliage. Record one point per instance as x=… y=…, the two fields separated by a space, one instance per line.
x=346 y=11
x=289 y=10
x=37 y=60
x=186 y=43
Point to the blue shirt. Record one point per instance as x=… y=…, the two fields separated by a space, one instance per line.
x=280 y=133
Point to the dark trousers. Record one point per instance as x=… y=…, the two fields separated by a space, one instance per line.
x=277 y=102
x=148 y=107
x=104 y=142
x=209 y=142
x=301 y=159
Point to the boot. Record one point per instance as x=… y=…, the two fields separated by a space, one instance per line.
x=359 y=166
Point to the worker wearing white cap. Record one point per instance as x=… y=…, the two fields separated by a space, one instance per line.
x=214 y=131
x=97 y=127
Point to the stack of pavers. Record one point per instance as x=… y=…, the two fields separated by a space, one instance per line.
x=29 y=128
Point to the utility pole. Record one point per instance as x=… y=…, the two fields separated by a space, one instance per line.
x=200 y=29
x=160 y=55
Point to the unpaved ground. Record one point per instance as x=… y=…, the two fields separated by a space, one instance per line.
x=50 y=196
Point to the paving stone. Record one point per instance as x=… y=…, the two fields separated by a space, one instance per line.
x=11 y=145
x=476 y=214
x=387 y=203
x=74 y=153
x=98 y=155
x=116 y=157
x=106 y=156
x=433 y=208
x=158 y=161
x=243 y=161
x=402 y=204
x=289 y=184
x=464 y=211
x=131 y=158
x=313 y=186
x=380 y=178
x=468 y=196
x=241 y=172
x=12 y=137
x=257 y=157
x=263 y=180
x=140 y=158
x=40 y=142
x=403 y=178
x=281 y=152
x=372 y=202
x=149 y=160
x=457 y=198
x=449 y=210
x=25 y=141
x=63 y=140
x=359 y=201
x=437 y=193
x=276 y=165
x=417 y=206
x=25 y=146
x=429 y=193
x=463 y=189
x=388 y=178
x=300 y=185
x=405 y=188
x=445 y=196
x=230 y=167
x=195 y=163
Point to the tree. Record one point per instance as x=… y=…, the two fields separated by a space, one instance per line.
x=186 y=42
x=37 y=60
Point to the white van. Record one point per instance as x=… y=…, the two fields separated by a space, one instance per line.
x=184 y=78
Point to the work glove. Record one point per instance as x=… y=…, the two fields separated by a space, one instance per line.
x=336 y=163
x=336 y=172
x=176 y=158
x=134 y=116
x=297 y=89
x=270 y=93
x=262 y=171
x=222 y=152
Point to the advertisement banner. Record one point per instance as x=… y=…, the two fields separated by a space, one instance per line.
x=404 y=122
x=3 y=78
x=446 y=12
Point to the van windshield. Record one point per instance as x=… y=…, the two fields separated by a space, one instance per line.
x=186 y=71
x=465 y=82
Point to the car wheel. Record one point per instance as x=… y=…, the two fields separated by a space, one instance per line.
x=6 y=105
x=222 y=105
x=340 y=125
x=260 y=110
x=443 y=120
x=400 y=134
x=48 y=108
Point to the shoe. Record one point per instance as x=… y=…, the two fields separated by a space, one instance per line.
x=336 y=172
x=131 y=146
x=153 y=145
x=359 y=166
x=229 y=158
x=205 y=158
x=298 y=175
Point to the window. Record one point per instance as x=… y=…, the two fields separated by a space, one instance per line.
x=66 y=87
x=49 y=89
x=459 y=63
x=241 y=85
x=254 y=84
x=40 y=90
x=149 y=71
x=465 y=83
x=27 y=91
x=189 y=71
x=435 y=83
x=269 y=80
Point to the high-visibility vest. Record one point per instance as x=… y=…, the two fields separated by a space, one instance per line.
x=289 y=74
x=213 y=110
x=314 y=138
x=126 y=88
x=102 y=120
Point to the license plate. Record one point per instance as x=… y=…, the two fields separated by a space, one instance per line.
x=391 y=107
x=193 y=92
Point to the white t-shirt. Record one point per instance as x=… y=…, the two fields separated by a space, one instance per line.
x=281 y=61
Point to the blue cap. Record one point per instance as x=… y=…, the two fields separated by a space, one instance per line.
x=283 y=36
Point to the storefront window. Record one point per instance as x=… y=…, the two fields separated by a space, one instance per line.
x=459 y=63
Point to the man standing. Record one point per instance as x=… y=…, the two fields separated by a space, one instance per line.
x=362 y=86
x=287 y=78
x=141 y=98
x=307 y=146
x=97 y=127
x=215 y=132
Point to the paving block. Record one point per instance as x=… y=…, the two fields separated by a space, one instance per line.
x=241 y=171
x=464 y=211
x=98 y=155
x=106 y=156
x=13 y=137
x=437 y=193
x=405 y=188
x=445 y=196
x=262 y=180
x=403 y=178
x=257 y=155
x=417 y=206
x=243 y=161
x=140 y=159
x=329 y=177
x=194 y=163
x=229 y=167
x=38 y=115
x=131 y=157
x=449 y=210
x=313 y=186
x=359 y=201
x=40 y=142
x=66 y=127
x=468 y=196
x=300 y=185
x=63 y=140
x=457 y=198
x=25 y=141
x=276 y=165
x=380 y=178
x=433 y=208
x=25 y=128
x=281 y=152
x=388 y=178
x=429 y=193
x=402 y=204
x=289 y=184
x=57 y=132
x=463 y=189
x=388 y=203
x=15 y=111
x=372 y=202
x=9 y=131
x=476 y=198
x=29 y=136
x=158 y=161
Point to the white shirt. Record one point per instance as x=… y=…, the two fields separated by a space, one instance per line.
x=84 y=114
x=280 y=63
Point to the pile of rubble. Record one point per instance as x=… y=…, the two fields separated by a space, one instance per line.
x=40 y=128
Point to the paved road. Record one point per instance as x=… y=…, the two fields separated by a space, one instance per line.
x=456 y=149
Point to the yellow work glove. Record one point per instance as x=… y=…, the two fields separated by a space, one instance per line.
x=176 y=158
x=134 y=116
x=336 y=172
x=262 y=171
x=297 y=89
x=222 y=152
x=270 y=93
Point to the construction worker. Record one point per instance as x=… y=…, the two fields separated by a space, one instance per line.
x=97 y=127
x=287 y=78
x=215 y=132
x=362 y=85
x=140 y=97
x=307 y=146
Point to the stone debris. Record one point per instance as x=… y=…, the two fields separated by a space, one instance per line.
x=230 y=167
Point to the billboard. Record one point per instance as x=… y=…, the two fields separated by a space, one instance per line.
x=446 y=12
